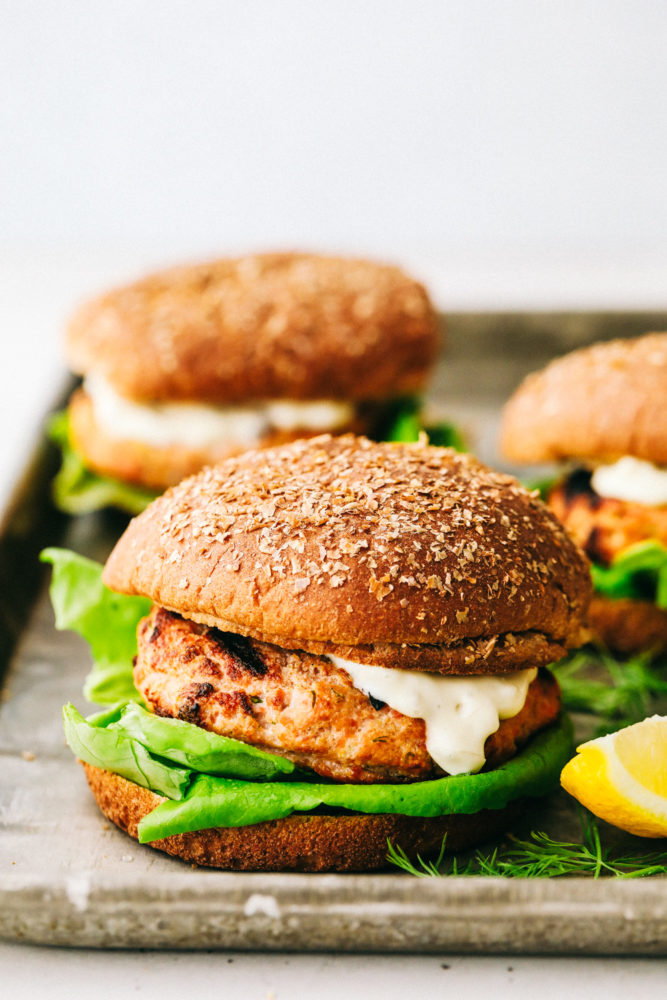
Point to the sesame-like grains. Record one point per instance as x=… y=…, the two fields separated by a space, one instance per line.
x=346 y=540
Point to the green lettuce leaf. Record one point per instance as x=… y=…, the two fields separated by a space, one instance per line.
x=197 y=748
x=101 y=745
x=543 y=486
x=202 y=800
x=130 y=741
x=212 y=802
x=405 y=424
x=79 y=490
x=107 y=621
x=640 y=571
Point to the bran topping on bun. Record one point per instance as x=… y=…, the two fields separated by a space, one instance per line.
x=347 y=544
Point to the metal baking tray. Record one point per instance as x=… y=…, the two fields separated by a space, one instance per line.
x=68 y=877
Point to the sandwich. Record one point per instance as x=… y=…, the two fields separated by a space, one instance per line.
x=338 y=643
x=603 y=411
x=196 y=364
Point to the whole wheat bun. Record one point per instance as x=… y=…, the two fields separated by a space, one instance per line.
x=402 y=554
x=270 y=326
x=311 y=842
x=628 y=626
x=598 y=403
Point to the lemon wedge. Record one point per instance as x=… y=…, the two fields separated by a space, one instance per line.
x=622 y=778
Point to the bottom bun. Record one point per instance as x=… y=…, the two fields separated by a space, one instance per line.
x=628 y=626
x=313 y=842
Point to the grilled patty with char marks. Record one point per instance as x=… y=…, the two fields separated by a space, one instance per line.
x=603 y=526
x=299 y=705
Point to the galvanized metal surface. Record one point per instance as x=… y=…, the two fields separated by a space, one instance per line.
x=70 y=878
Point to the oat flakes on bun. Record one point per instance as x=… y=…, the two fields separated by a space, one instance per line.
x=339 y=642
x=603 y=410
x=193 y=365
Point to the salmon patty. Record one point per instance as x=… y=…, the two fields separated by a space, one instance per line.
x=299 y=705
x=602 y=526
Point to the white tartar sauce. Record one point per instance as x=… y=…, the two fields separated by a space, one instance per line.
x=459 y=712
x=633 y=480
x=197 y=425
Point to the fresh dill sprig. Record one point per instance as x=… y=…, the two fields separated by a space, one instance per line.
x=618 y=692
x=426 y=868
x=539 y=856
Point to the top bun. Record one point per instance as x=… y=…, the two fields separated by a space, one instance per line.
x=269 y=326
x=344 y=545
x=599 y=403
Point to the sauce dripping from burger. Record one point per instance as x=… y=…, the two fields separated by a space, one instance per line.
x=460 y=713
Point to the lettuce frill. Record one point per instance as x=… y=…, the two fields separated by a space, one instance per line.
x=76 y=489
x=639 y=572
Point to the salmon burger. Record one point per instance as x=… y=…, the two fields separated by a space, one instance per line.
x=602 y=411
x=193 y=365
x=338 y=642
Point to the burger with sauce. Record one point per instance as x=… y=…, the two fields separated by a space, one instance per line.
x=335 y=643
x=603 y=411
x=188 y=367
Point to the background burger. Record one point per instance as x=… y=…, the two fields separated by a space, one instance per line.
x=338 y=642
x=603 y=410
x=188 y=367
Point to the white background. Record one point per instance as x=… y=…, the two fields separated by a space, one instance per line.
x=468 y=130
x=510 y=153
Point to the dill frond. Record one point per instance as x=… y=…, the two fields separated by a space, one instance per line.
x=539 y=856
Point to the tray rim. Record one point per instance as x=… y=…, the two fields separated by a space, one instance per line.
x=312 y=912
